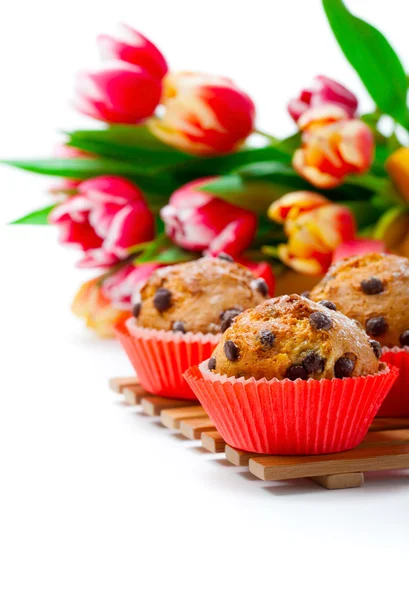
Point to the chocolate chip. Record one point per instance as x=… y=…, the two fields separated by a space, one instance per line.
x=231 y=351
x=224 y=256
x=372 y=286
x=162 y=299
x=136 y=309
x=344 y=367
x=296 y=372
x=320 y=321
x=211 y=365
x=404 y=338
x=260 y=285
x=179 y=326
x=328 y=304
x=377 y=348
x=267 y=339
x=306 y=294
x=227 y=317
x=313 y=363
x=376 y=326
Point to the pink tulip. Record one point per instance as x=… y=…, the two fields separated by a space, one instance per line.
x=121 y=287
x=106 y=217
x=204 y=114
x=197 y=220
x=119 y=94
x=132 y=47
x=323 y=91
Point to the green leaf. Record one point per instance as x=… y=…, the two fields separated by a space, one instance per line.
x=255 y=195
x=375 y=61
x=37 y=217
x=84 y=168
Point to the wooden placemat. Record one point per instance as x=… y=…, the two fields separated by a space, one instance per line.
x=385 y=447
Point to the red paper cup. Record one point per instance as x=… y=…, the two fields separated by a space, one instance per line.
x=161 y=357
x=291 y=417
x=397 y=401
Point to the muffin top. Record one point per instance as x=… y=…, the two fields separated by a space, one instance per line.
x=199 y=296
x=374 y=290
x=295 y=338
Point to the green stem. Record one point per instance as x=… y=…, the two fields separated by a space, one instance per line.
x=266 y=135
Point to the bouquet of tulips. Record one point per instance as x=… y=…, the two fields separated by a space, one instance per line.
x=179 y=169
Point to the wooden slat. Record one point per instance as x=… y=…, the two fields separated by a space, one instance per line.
x=381 y=423
x=193 y=428
x=366 y=458
x=171 y=418
x=117 y=384
x=213 y=441
x=239 y=458
x=153 y=405
x=342 y=481
x=133 y=394
x=394 y=436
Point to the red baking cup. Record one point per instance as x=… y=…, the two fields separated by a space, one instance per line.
x=291 y=417
x=397 y=401
x=161 y=357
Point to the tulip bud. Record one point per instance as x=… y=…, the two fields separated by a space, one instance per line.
x=92 y=305
x=198 y=221
x=314 y=226
x=132 y=47
x=204 y=114
x=106 y=217
x=332 y=151
x=121 y=94
x=323 y=91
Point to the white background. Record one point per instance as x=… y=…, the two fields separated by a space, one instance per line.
x=96 y=500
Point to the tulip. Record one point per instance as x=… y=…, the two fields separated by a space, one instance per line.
x=332 y=147
x=314 y=233
x=119 y=94
x=92 y=305
x=125 y=284
x=204 y=114
x=198 y=221
x=397 y=166
x=323 y=91
x=106 y=217
x=132 y=47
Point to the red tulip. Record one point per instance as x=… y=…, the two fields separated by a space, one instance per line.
x=197 y=220
x=357 y=248
x=132 y=47
x=323 y=91
x=106 y=217
x=124 y=284
x=120 y=94
x=204 y=114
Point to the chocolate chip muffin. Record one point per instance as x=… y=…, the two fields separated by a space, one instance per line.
x=295 y=338
x=204 y=295
x=374 y=290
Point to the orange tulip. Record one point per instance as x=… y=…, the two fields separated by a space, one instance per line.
x=97 y=310
x=314 y=227
x=333 y=146
x=397 y=166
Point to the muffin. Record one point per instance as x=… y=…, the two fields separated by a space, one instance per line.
x=374 y=290
x=292 y=376
x=200 y=296
x=179 y=314
x=295 y=338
